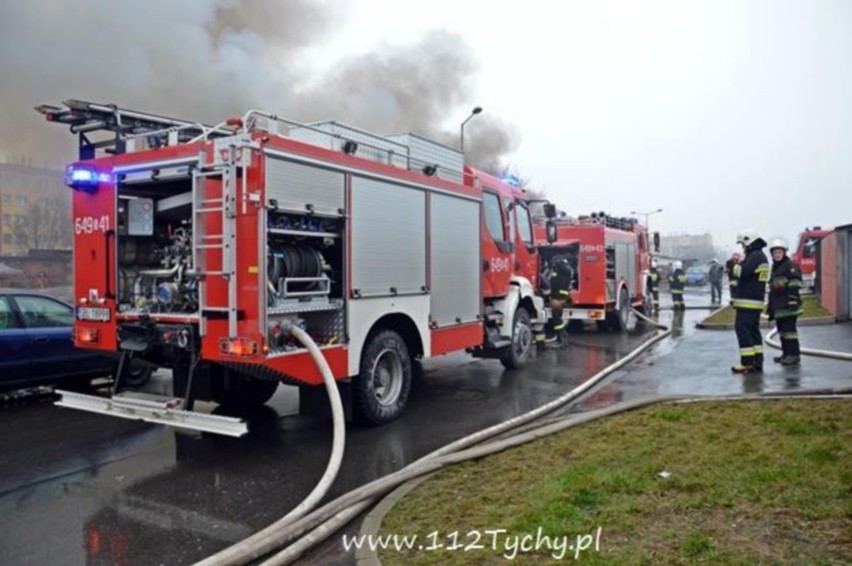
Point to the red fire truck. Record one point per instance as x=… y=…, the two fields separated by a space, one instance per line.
x=610 y=258
x=804 y=253
x=197 y=246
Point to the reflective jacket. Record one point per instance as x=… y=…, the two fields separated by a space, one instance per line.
x=784 y=285
x=653 y=279
x=560 y=282
x=732 y=280
x=677 y=281
x=752 y=274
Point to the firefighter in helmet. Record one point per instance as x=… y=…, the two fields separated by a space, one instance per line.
x=677 y=281
x=560 y=276
x=652 y=283
x=752 y=274
x=785 y=302
x=729 y=271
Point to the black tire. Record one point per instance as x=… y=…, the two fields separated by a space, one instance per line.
x=618 y=320
x=380 y=391
x=516 y=355
x=603 y=325
x=137 y=374
x=232 y=388
x=575 y=325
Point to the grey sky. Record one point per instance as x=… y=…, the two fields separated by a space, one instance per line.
x=728 y=114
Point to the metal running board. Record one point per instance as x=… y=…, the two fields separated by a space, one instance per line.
x=152 y=409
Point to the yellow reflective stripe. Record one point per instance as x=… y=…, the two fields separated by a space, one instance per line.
x=682 y=278
x=564 y=292
x=745 y=352
x=737 y=270
x=677 y=292
x=758 y=350
x=748 y=304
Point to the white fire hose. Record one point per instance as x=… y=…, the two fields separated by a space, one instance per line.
x=319 y=524
x=770 y=339
x=231 y=555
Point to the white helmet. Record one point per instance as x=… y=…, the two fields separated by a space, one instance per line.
x=778 y=243
x=677 y=264
x=748 y=237
x=654 y=263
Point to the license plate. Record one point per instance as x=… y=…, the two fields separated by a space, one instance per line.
x=91 y=313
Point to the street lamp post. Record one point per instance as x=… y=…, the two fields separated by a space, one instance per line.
x=473 y=113
x=646 y=215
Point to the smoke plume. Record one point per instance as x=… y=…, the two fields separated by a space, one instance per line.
x=206 y=60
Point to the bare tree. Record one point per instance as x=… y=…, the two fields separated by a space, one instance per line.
x=46 y=226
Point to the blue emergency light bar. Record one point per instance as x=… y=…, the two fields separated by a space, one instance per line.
x=84 y=178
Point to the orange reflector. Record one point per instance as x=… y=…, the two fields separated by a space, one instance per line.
x=242 y=347
x=596 y=314
x=88 y=335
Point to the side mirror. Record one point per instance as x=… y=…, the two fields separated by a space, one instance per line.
x=550 y=210
x=657 y=242
x=550 y=231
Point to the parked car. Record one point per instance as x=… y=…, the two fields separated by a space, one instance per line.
x=696 y=275
x=36 y=347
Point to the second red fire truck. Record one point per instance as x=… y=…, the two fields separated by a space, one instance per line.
x=610 y=258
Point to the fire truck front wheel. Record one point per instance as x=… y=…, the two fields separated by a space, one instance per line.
x=515 y=356
x=380 y=391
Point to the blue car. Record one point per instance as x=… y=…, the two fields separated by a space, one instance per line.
x=696 y=276
x=36 y=347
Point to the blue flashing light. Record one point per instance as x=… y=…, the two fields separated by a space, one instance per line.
x=511 y=180
x=85 y=178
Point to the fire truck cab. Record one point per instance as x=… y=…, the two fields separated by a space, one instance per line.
x=805 y=252
x=197 y=248
x=610 y=258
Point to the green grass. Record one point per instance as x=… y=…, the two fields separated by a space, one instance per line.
x=811 y=305
x=759 y=482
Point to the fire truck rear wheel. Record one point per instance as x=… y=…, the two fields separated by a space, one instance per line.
x=137 y=374
x=516 y=355
x=380 y=391
x=229 y=387
x=618 y=319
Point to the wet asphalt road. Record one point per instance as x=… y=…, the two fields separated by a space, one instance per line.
x=77 y=488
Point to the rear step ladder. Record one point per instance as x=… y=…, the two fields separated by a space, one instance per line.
x=223 y=204
x=157 y=409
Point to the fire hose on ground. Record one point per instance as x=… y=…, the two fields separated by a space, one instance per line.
x=770 y=339
x=314 y=527
x=338 y=443
x=317 y=525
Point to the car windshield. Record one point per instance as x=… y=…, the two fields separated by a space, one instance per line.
x=695 y=270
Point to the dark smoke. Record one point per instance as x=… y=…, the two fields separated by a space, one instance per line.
x=206 y=60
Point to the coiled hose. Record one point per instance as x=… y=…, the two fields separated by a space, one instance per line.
x=770 y=339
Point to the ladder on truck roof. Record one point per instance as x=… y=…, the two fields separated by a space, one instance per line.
x=126 y=127
x=131 y=130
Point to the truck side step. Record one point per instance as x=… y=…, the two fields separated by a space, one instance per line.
x=150 y=408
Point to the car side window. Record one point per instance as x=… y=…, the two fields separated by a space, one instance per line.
x=524 y=224
x=41 y=312
x=8 y=320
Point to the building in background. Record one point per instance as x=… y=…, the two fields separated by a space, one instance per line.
x=834 y=272
x=691 y=248
x=35 y=209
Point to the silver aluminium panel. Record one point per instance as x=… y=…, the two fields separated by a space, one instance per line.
x=388 y=238
x=332 y=135
x=297 y=187
x=455 y=259
x=625 y=266
x=423 y=151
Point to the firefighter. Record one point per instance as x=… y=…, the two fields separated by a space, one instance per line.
x=715 y=274
x=785 y=302
x=729 y=271
x=652 y=283
x=560 y=276
x=751 y=274
x=677 y=281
